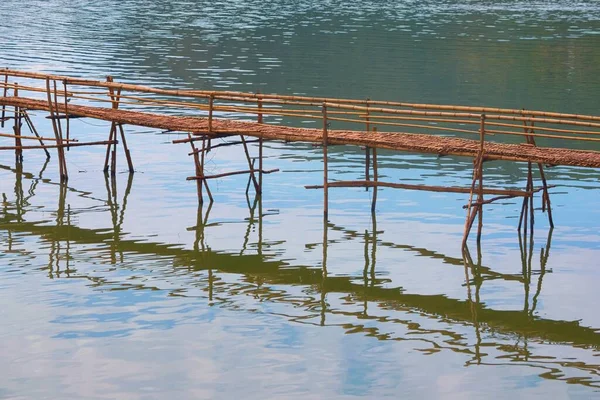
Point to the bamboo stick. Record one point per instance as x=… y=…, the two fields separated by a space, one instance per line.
x=224 y=174
x=427 y=188
x=57 y=146
x=10 y=135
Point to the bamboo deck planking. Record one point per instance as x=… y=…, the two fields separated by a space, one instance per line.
x=409 y=142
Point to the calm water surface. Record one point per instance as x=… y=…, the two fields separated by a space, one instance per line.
x=128 y=290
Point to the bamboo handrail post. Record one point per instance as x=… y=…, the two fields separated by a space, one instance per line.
x=211 y=100
x=259 y=104
x=4 y=95
x=375 y=176
x=325 y=172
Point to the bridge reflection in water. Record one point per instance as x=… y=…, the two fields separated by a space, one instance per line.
x=365 y=304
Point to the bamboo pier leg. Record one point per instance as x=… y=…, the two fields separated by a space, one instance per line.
x=111 y=137
x=197 y=165
x=260 y=149
x=324 y=271
x=325 y=172
x=60 y=134
x=208 y=192
x=67 y=122
x=473 y=211
x=260 y=164
x=126 y=149
x=367 y=150
x=375 y=177
x=545 y=194
x=111 y=149
x=55 y=129
x=4 y=95
x=33 y=130
x=480 y=172
x=252 y=176
x=17 y=129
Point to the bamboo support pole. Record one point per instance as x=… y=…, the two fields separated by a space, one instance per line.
x=546 y=206
x=260 y=164
x=205 y=180
x=61 y=165
x=247 y=153
x=480 y=172
x=111 y=137
x=367 y=150
x=17 y=130
x=375 y=176
x=126 y=149
x=325 y=172
x=35 y=132
x=67 y=122
x=195 y=153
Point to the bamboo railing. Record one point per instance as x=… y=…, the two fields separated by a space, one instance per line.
x=368 y=117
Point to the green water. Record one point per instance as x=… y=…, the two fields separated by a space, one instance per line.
x=127 y=289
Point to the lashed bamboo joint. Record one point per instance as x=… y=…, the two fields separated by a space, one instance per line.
x=205 y=115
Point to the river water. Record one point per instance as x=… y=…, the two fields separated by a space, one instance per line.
x=129 y=290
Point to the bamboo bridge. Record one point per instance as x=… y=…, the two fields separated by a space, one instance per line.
x=481 y=133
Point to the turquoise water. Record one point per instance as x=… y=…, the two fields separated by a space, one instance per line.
x=129 y=290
